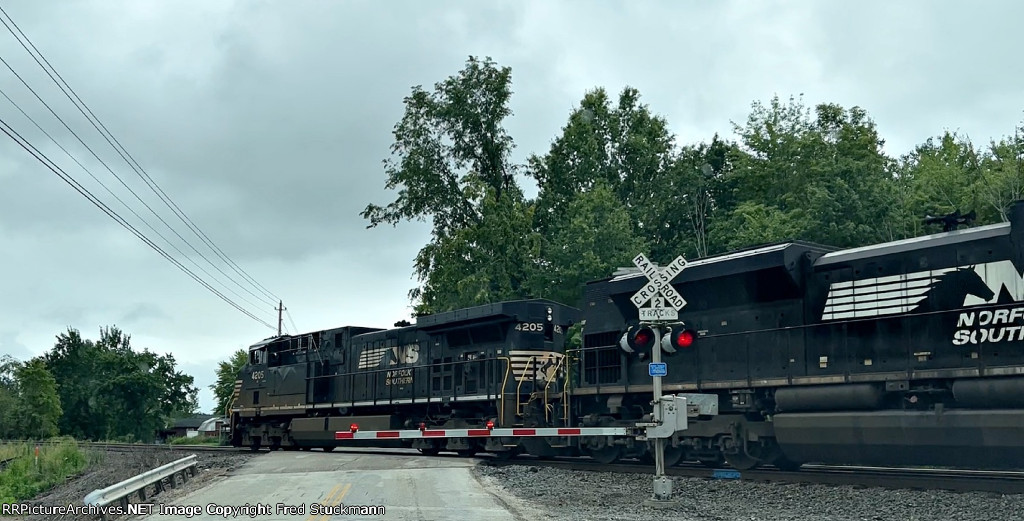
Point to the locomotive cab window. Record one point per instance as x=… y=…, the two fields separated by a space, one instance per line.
x=258 y=356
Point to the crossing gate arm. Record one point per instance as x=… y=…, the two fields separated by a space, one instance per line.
x=484 y=433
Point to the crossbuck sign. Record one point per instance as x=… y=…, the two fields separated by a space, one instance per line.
x=658 y=290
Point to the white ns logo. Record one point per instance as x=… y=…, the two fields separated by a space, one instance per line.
x=407 y=354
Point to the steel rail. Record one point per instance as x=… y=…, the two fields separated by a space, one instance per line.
x=1001 y=482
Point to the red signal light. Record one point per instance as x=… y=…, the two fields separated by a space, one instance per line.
x=685 y=338
x=678 y=338
x=642 y=337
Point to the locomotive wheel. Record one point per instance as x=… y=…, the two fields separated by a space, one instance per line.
x=673 y=456
x=741 y=461
x=255 y=446
x=467 y=453
x=606 y=455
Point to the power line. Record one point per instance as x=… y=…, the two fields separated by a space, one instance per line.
x=130 y=160
x=42 y=158
x=109 y=191
x=295 y=329
x=119 y=179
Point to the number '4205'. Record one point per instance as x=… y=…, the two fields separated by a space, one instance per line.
x=535 y=326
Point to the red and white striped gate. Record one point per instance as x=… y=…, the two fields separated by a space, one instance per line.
x=355 y=434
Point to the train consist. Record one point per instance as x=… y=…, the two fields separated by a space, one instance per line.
x=907 y=352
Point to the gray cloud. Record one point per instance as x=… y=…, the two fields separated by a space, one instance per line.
x=267 y=123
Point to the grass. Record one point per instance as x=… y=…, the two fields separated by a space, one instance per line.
x=24 y=477
x=197 y=440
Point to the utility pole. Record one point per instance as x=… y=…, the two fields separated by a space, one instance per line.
x=280 y=308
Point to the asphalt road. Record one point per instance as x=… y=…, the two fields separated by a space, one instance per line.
x=318 y=486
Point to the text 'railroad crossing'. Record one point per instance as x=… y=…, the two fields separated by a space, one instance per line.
x=658 y=289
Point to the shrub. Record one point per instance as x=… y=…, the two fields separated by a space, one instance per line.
x=25 y=477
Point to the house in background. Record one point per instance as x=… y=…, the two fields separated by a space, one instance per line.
x=212 y=427
x=188 y=427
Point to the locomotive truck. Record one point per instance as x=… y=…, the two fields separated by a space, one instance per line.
x=902 y=353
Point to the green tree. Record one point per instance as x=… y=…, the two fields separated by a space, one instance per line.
x=1002 y=180
x=489 y=261
x=8 y=397
x=945 y=174
x=595 y=236
x=109 y=391
x=39 y=406
x=451 y=165
x=227 y=373
x=625 y=147
x=822 y=178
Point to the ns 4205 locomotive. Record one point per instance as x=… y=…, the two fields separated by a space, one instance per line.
x=500 y=364
x=908 y=352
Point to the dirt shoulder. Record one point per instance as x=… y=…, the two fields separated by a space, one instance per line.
x=109 y=467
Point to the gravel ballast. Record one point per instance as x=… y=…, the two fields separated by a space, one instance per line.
x=109 y=467
x=599 y=496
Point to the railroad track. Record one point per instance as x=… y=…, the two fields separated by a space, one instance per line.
x=136 y=446
x=125 y=447
x=1001 y=482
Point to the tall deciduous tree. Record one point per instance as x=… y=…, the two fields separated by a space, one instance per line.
x=8 y=397
x=626 y=147
x=1002 y=179
x=451 y=165
x=111 y=391
x=227 y=373
x=822 y=178
x=595 y=236
x=39 y=406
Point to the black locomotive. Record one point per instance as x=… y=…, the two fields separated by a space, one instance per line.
x=462 y=368
x=908 y=352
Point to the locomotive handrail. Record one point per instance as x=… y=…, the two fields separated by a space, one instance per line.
x=547 y=417
x=504 y=382
x=519 y=387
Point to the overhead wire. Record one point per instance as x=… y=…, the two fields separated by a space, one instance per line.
x=2 y=60
x=53 y=167
x=100 y=127
x=138 y=169
x=294 y=329
x=109 y=191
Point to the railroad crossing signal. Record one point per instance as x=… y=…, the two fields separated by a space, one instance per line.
x=658 y=289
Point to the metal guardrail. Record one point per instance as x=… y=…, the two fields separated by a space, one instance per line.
x=138 y=484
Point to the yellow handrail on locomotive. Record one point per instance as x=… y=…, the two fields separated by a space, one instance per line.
x=547 y=417
x=565 y=385
x=519 y=410
x=504 y=382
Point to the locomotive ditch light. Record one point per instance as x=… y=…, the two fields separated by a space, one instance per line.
x=637 y=338
x=490 y=425
x=678 y=337
x=423 y=427
x=354 y=427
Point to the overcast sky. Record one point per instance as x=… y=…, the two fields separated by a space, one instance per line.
x=267 y=122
